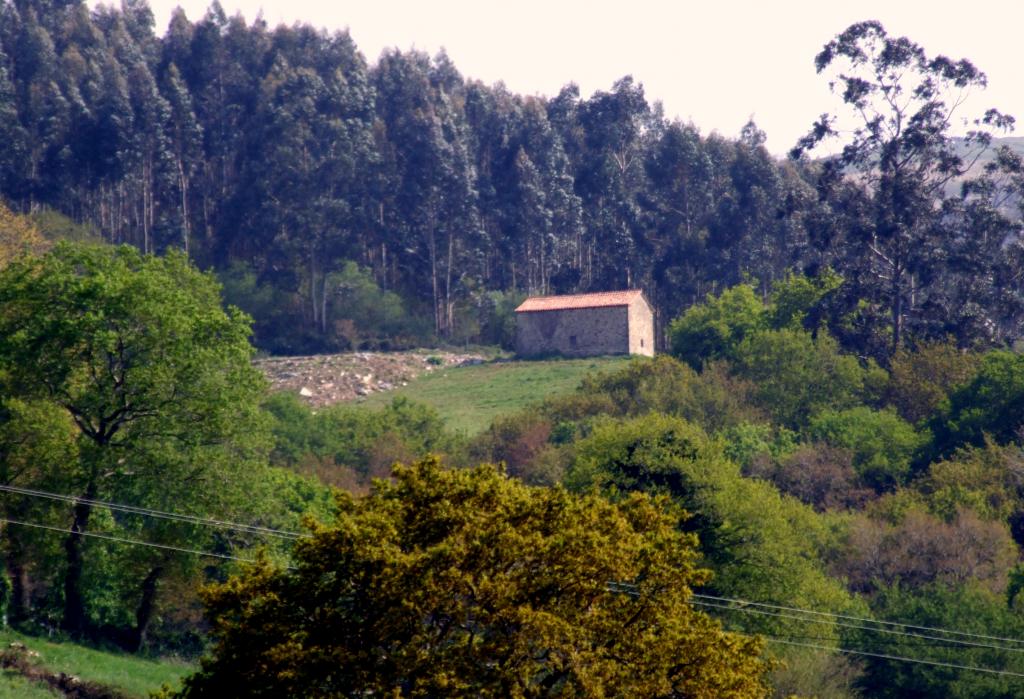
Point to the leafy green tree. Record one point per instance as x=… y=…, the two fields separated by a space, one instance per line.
x=797 y=375
x=137 y=352
x=991 y=403
x=967 y=607
x=748 y=442
x=468 y=583
x=988 y=480
x=796 y=300
x=37 y=441
x=342 y=441
x=882 y=443
x=922 y=377
x=759 y=544
x=712 y=399
x=714 y=329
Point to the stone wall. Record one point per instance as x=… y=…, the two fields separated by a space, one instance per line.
x=641 y=328
x=578 y=332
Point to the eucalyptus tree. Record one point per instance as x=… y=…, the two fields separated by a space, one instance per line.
x=905 y=107
x=437 y=218
x=617 y=127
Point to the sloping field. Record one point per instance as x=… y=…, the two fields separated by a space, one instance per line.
x=470 y=397
x=128 y=675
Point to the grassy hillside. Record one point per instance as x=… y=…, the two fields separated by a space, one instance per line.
x=14 y=686
x=131 y=675
x=470 y=397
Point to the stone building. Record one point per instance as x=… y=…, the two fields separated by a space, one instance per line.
x=581 y=325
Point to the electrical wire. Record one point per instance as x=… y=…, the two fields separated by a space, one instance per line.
x=147 y=512
x=630 y=588
x=885 y=656
x=136 y=542
x=935 y=629
x=909 y=634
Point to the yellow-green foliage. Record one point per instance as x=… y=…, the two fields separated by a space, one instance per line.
x=984 y=479
x=713 y=398
x=470 y=584
x=18 y=236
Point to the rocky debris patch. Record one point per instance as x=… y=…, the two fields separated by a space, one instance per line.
x=325 y=379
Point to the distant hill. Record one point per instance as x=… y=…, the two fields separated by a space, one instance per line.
x=1015 y=143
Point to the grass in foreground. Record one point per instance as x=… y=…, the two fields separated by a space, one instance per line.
x=470 y=397
x=131 y=674
x=14 y=686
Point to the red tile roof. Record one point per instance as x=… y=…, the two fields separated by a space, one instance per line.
x=598 y=300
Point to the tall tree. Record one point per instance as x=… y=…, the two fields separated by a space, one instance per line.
x=436 y=197
x=617 y=126
x=185 y=136
x=155 y=377
x=905 y=105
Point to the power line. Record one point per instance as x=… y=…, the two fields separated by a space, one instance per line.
x=812 y=612
x=630 y=589
x=148 y=512
x=136 y=542
x=885 y=656
x=909 y=634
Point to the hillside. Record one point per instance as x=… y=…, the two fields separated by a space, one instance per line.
x=469 y=397
x=33 y=667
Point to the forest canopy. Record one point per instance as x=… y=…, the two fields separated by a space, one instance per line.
x=349 y=203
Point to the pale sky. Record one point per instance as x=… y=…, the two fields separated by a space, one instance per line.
x=715 y=63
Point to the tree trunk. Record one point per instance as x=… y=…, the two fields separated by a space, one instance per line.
x=74 y=620
x=144 y=612
x=448 y=306
x=18 y=608
x=323 y=304
x=897 y=311
x=183 y=188
x=312 y=288
x=432 y=246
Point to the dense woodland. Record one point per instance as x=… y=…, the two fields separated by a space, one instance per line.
x=348 y=203
x=831 y=439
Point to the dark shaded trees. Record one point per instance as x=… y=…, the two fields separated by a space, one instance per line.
x=282 y=152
